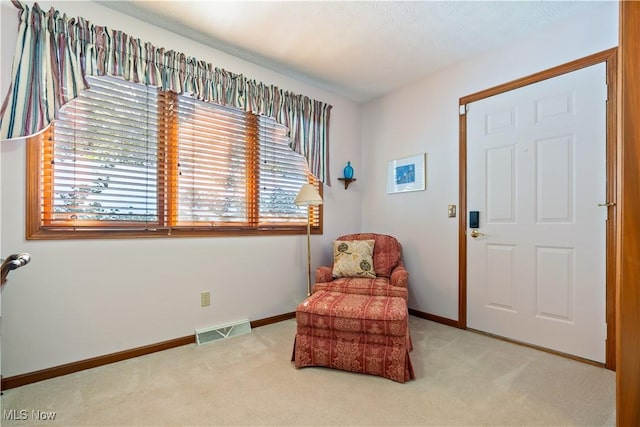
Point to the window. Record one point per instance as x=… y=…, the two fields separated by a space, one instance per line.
x=127 y=160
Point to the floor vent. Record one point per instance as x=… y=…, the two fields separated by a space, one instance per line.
x=222 y=331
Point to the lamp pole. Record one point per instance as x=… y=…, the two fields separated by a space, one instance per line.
x=308 y=196
x=308 y=250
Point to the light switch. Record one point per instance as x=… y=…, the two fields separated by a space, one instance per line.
x=451 y=211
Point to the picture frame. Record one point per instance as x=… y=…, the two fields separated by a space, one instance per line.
x=407 y=174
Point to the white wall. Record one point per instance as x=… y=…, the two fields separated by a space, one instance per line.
x=423 y=117
x=86 y=298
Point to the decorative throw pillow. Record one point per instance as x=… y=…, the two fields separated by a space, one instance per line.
x=353 y=258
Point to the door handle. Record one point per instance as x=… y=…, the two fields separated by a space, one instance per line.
x=11 y=263
x=475 y=233
x=606 y=204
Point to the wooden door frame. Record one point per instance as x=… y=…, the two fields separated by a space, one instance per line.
x=610 y=58
x=628 y=285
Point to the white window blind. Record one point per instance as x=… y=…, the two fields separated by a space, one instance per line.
x=213 y=164
x=126 y=156
x=282 y=173
x=104 y=155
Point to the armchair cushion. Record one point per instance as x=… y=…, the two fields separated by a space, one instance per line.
x=353 y=258
x=379 y=286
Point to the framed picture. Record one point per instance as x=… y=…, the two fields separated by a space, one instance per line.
x=407 y=174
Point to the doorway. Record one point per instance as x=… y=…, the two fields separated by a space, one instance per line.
x=540 y=305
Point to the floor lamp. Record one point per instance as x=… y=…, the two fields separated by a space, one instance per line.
x=308 y=196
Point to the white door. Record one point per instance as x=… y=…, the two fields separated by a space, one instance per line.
x=536 y=172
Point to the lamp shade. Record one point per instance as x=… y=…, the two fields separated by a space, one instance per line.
x=308 y=196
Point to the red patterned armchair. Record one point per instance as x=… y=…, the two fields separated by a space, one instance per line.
x=358 y=322
x=390 y=275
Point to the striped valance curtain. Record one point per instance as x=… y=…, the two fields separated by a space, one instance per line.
x=55 y=53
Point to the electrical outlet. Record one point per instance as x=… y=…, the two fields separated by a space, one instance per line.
x=205 y=299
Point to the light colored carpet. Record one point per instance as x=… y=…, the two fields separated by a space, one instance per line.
x=463 y=379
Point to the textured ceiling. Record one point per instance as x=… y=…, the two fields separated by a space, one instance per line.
x=358 y=49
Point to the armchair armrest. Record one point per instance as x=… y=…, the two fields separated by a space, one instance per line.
x=399 y=276
x=324 y=274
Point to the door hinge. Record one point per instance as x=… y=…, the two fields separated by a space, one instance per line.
x=463 y=109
